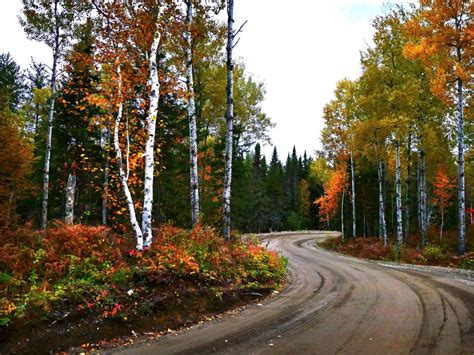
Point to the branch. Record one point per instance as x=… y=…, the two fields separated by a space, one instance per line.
x=237 y=42
x=240 y=29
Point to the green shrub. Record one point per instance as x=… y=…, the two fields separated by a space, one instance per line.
x=467 y=263
x=434 y=253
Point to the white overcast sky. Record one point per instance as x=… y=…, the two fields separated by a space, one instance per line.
x=299 y=49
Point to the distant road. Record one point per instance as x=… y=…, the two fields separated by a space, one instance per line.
x=335 y=304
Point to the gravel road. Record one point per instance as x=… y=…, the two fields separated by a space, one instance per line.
x=335 y=304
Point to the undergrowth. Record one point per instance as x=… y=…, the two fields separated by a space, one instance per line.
x=82 y=269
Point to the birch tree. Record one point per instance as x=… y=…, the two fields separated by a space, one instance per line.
x=193 y=146
x=229 y=141
x=53 y=23
x=154 y=85
x=398 y=184
x=125 y=173
x=70 y=194
x=442 y=38
x=132 y=34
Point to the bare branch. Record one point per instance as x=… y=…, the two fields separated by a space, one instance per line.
x=236 y=43
x=240 y=29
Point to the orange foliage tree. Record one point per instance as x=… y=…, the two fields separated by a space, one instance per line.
x=14 y=182
x=443 y=191
x=442 y=38
x=334 y=190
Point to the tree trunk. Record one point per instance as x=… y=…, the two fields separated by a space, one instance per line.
x=353 y=199
x=230 y=122
x=47 y=158
x=106 y=176
x=407 y=193
x=193 y=146
x=154 y=84
x=383 y=227
x=123 y=176
x=398 y=184
x=442 y=225
x=342 y=215
x=423 y=211
x=461 y=192
x=70 y=194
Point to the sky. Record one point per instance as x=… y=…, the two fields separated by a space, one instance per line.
x=299 y=51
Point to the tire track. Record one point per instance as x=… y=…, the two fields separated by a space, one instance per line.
x=335 y=304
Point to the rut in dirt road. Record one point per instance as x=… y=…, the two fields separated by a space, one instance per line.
x=335 y=304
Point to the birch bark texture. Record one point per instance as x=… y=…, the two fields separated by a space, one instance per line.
x=54 y=23
x=229 y=142
x=423 y=200
x=461 y=186
x=123 y=176
x=49 y=137
x=70 y=194
x=398 y=184
x=47 y=159
x=354 y=231
x=407 y=192
x=193 y=146
x=154 y=84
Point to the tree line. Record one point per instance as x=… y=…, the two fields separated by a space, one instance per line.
x=398 y=138
x=142 y=117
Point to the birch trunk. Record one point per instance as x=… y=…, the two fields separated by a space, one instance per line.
x=407 y=192
x=70 y=194
x=154 y=84
x=398 y=184
x=193 y=147
x=353 y=198
x=383 y=227
x=423 y=211
x=230 y=122
x=123 y=176
x=47 y=159
x=461 y=187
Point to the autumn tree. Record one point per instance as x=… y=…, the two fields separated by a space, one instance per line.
x=333 y=199
x=442 y=36
x=443 y=194
x=53 y=23
x=340 y=116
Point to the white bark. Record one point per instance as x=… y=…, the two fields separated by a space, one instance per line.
x=47 y=159
x=193 y=147
x=461 y=187
x=123 y=178
x=353 y=198
x=398 y=183
x=230 y=122
x=423 y=209
x=70 y=194
x=154 y=84
x=407 y=192
x=382 y=227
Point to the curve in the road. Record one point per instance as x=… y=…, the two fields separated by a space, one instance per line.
x=335 y=304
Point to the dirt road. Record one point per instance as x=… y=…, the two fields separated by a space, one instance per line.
x=334 y=304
